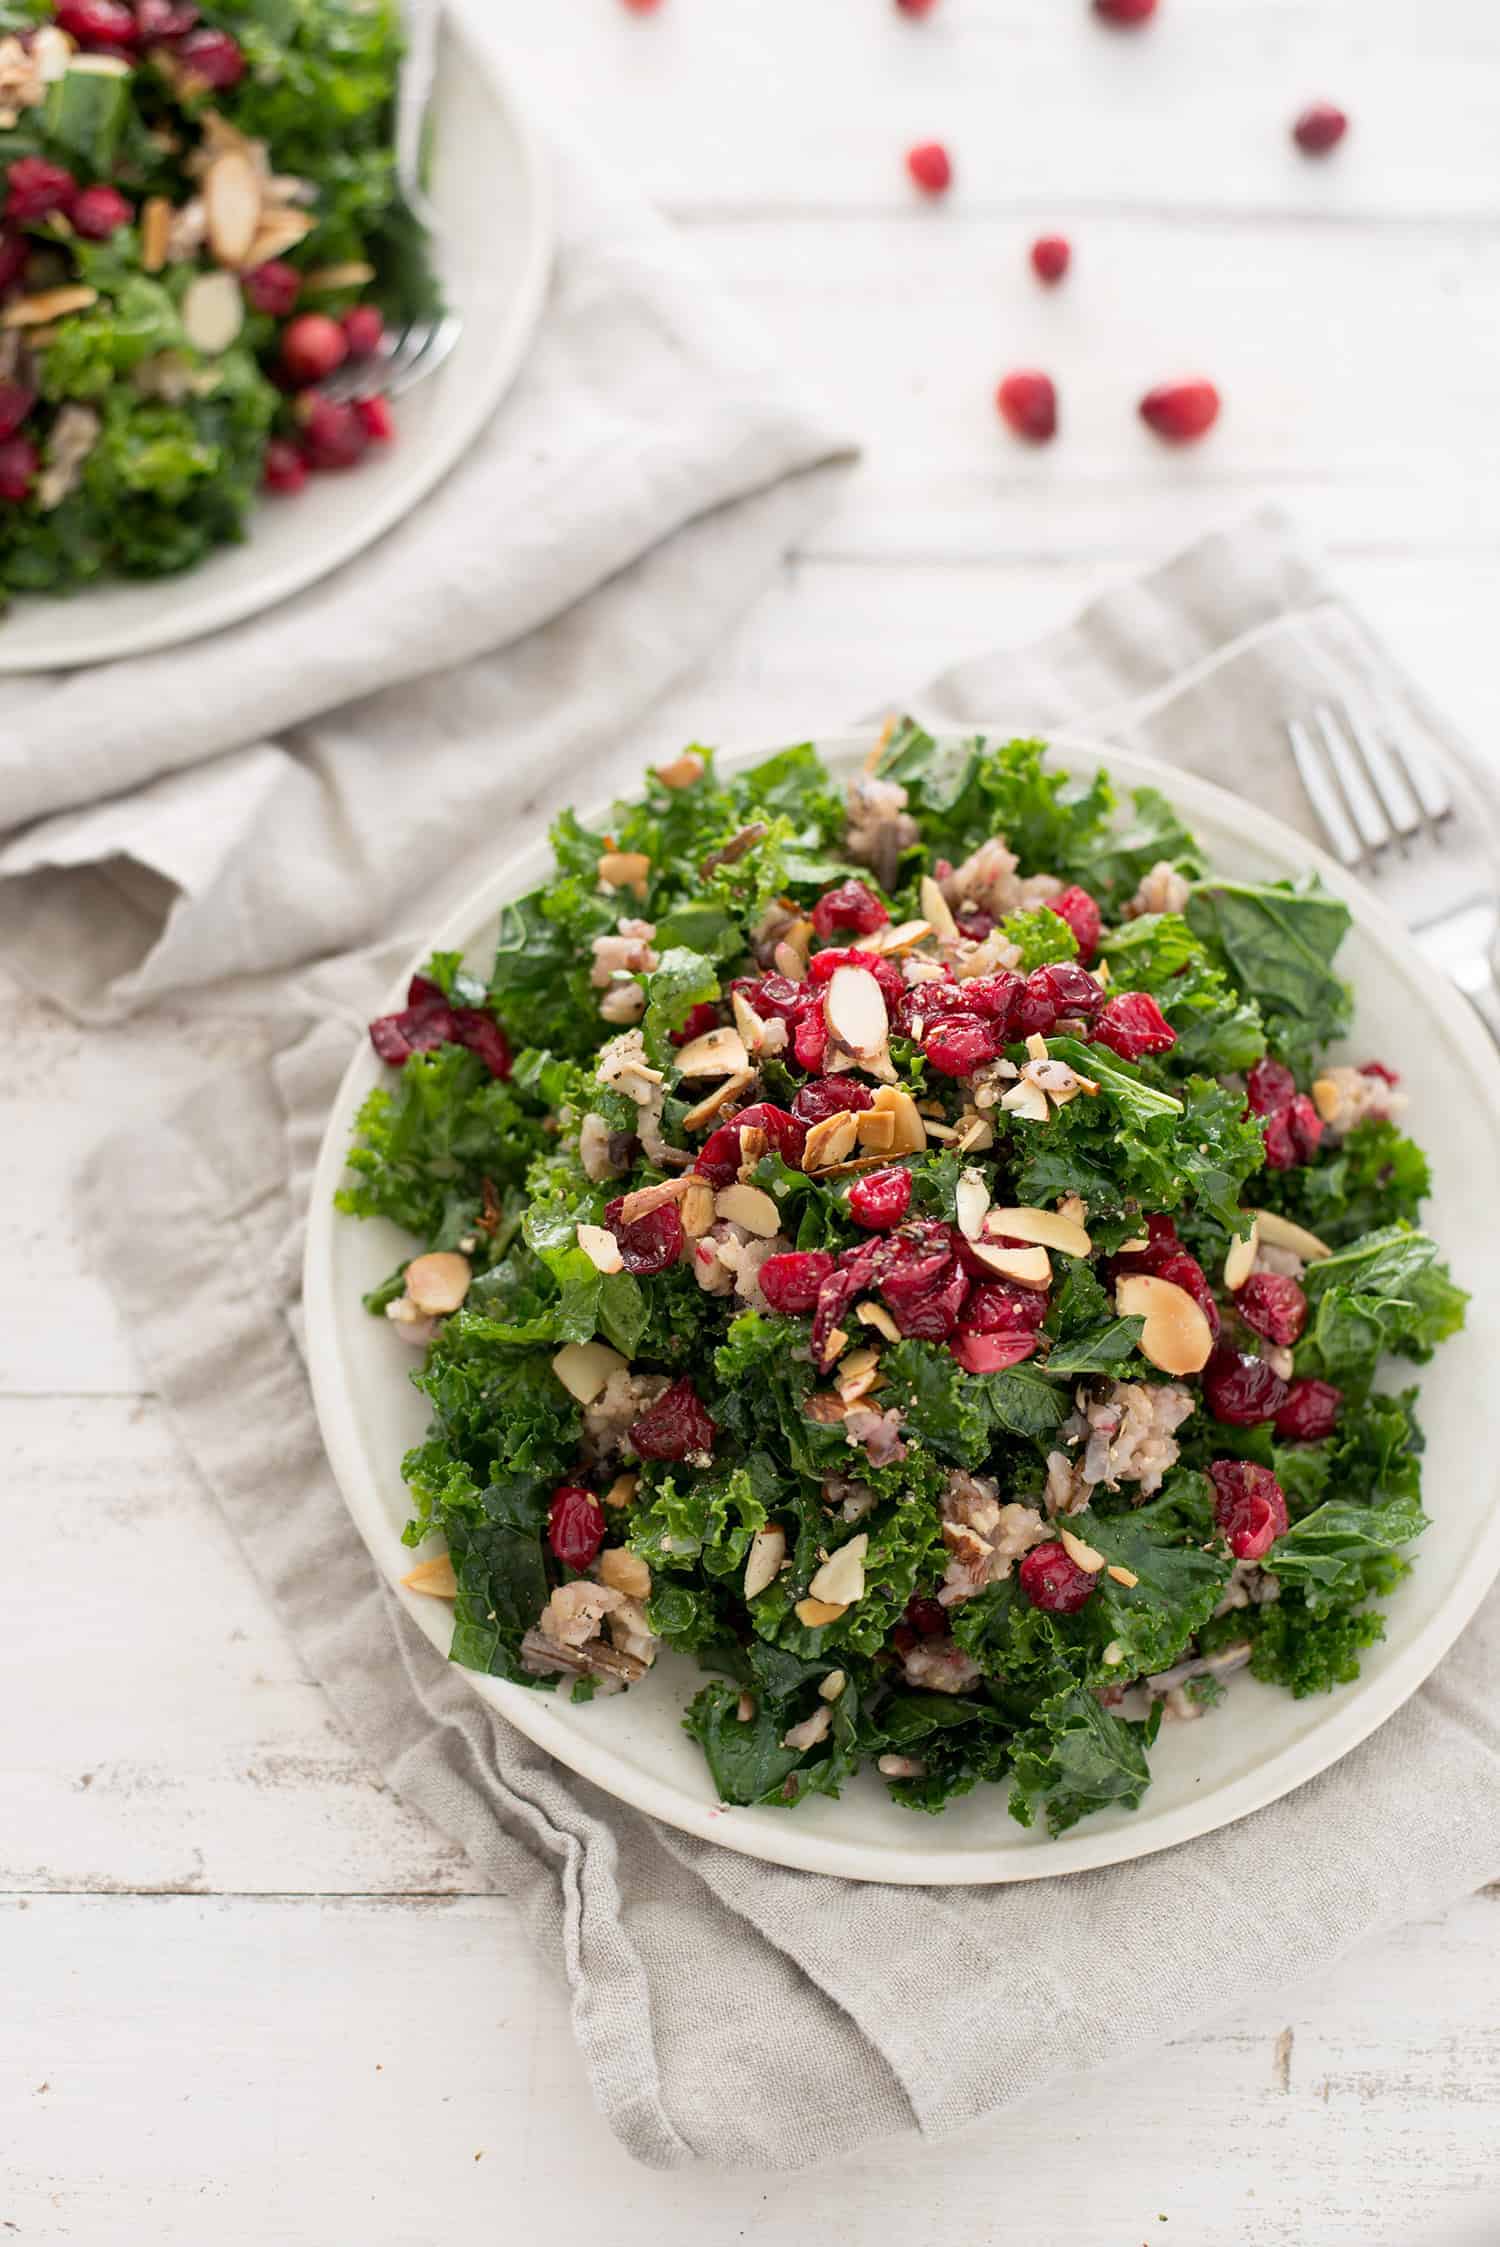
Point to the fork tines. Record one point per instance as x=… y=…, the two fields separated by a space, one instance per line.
x=1366 y=788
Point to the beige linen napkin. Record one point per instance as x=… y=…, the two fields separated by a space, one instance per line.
x=858 y=2011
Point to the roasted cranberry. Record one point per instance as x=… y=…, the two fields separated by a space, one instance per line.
x=702 y=1017
x=822 y=1097
x=1001 y=1307
x=790 y=1283
x=1051 y=255
x=1082 y=914
x=1321 y=126
x=1125 y=11
x=97 y=23
x=1310 y=1411
x=482 y=1034
x=1292 y=1134
x=931 y=167
x=16 y=402
x=991 y=1353
x=960 y=1045
x=1275 y=1306
x=376 y=419
x=675 y=1427
x=1249 y=1506
x=211 y=58
x=1133 y=1024
x=99 y=212
x=1052 y=1580
x=364 y=330
x=1379 y=1069
x=649 y=1244
x=786 y=1135
x=927 y=1617
x=851 y=905
x=19 y=462
x=284 y=469
x=1186 y=1272
x=575 y=1525
x=1269 y=1086
x=333 y=436
x=880 y=1199
x=1242 y=1390
x=992 y=997
x=312 y=346
x=1027 y=401
x=1067 y=988
x=822 y=966
x=273 y=287
x=1181 y=412
x=34 y=188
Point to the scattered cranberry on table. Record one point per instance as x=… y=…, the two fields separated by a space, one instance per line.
x=1181 y=412
x=1051 y=255
x=1027 y=401
x=1320 y=128
x=1125 y=11
x=931 y=167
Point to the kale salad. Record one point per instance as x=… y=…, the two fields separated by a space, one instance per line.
x=902 y=1245
x=199 y=223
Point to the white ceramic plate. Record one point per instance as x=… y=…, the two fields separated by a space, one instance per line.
x=491 y=191
x=1259 y=1743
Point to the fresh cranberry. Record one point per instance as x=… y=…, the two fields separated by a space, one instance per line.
x=1249 y=1506
x=1379 y=1069
x=1186 y=1272
x=98 y=23
x=1269 y=1086
x=575 y=1525
x=931 y=167
x=273 y=287
x=960 y=1045
x=927 y=1617
x=364 y=330
x=34 y=188
x=376 y=419
x=285 y=470
x=675 y=1427
x=312 y=346
x=1181 y=412
x=211 y=58
x=14 y=251
x=992 y=997
x=1310 y=1411
x=1241 y=1390
x=1082 y=914
x=703 y=1017
x=99 y=212
x=1292 y=1134
x=787 y=1135
x=851 y=905
x=822 y=966
x=1051 y=255
x=822 y=1097
x=1274 y=1306
x=1001 y=1306
x=19 y=462
x=991 y=1353
x=1133 y=1024
x=1320 y=128
x=333 y=436
x=790 y=1283
x=1052 y=1580
x=1066 y=988
x=16 y=402
x=483 y=1036
x=1027 y=401
x=649 y=1244
x=880 y=1199
x=1125 y=11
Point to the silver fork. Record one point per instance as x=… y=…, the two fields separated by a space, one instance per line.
x=1388 y=813
x=419 y=349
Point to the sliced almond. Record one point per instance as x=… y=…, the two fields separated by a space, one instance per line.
x=353 y=274
x=876 y=1129
x=753 y=1144
x=1125 y=1576
x=1279 y=1232
x=833 y=1685
x=749 y=1024
x=943 y=1131
x=911 y=1132
x=830 y=1141
x=683 y=772
x=970 y=1202
x=584 y=1367
x=939 y=912
x=622 y=1490
x=788 y=961
x=50 y=304
x=718 y=1053
x=722 y=1096
x=1240 y=1262
x=1048 y=1228
x=435 y=1577
x=1081 y=1555
x=763 y=1564
x=1176 y=1337
x=1137 y=1247
x=837 y=1341
x=697 y=1210
x=156 y=232
x=855 y=1007
x=601 y=1248
x=624 y=1571
x=278 y=232
x=646 y=1198
x=1325 y=1098
x=438 y=1283
x=1028 y=1267
x=857 y=1364
x=898 y=938
x=232 y=199
x=812 y=1614
x=975 y=1134
x=750 y=1207
x=213 y=312
x=1025 y=1099
x=1036 y=1046
x=625 y=869
x=841 y=1580
x=877 y=1316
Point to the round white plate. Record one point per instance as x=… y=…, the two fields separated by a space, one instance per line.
x=491 y=190
x=1259 y=1743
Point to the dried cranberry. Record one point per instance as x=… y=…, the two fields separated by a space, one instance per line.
x=333 y=436
x=992 y=997
x=273 y=287
x=482 y=1034
x=312 y=346
x=1274 y=1306
x=1028 y=405
x=1242 y=1390
x=1379 y=1069
x=1162 y=1244
x=364 y=330
x=1082 y=914
x=718 y=1159
x=992 y=1353
x=821 y=967
x=931 y=167
x=822 y=1097
x=1131 y=1025
x=649 y=1244
x=928 y=1617
x=575 y=1525
x=916 y=7
x=924 y=1003
x=34 y=188
x=1269 y=1086
x=99 y=212
x=960 y=1045
x=1310 y=1411
x=1186 y=1272
x=849 y=1278
x=16 y=402
x=1001 y=1307
x=1249 y=1506
x=851 y=905
x=165 y=19
x=1181 y=412
x=1320 y=128
x=1292 y=1134
x=880 y=1199
x=774 y=997
x=785 y=1135
x=675 y=1427
x=14 y=251
x=284 y=469
x=1051 y=255
x=1053 y=1581
x=417 y=1029
x=974 y=922
x=97 y=23
x=211 y=58
x=790 y=1283
x=922 y=1282
x=704 y=1016
x=19 y=463
x=1067 y=988
x=810 y=1041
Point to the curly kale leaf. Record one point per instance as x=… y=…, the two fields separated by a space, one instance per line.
x=1386 y=1291
x=1376 y=1177
x=1341 y=1553
x=748 y=1757
x=1278 y=944
x=963 y=793
x=1087 y=1337
x=1077 y=1757
x=1218 y=1026
x=426 y=1141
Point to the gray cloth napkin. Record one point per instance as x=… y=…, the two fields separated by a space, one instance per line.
x=857 y=2012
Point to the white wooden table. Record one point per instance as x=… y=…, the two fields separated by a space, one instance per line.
x=247 y=1997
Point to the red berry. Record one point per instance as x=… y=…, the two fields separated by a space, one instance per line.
x=991 y=1353
x=211 y=58
x=1379 y=1069
x=928 y=1617
x=1181 y=412
x=1125 y=11
x=822 y=1097
x=1292 y=1134
x=922 y=1281
x=785 y=1135
x=1249 y=1506
x=16 y=402
x=992 y=997
x=649 y=1244
x=14 y=251
x=285 y=469
x=1241 y=1390
x=273 y=287
x=701 y=1018
x=1051 y=255
x=482 y=1034
x=1310 y=1411
x=931 y=167
x=1269 y=1086
x=364 y=330
x=1001 y=1306
x=99 y=212
x=97 y=23
x=880 y=1199
x=851 y=906
x=1162 y=1245
x=1062 y=988
x=575 y=1525
x=916 y=7
x=1028 y=405
x=165 y=19
x=1320 y=128
x=775 y=995
x=960 y=1045
x=643 y=7
x=376 y=419
x=810 y=1041
x=675 y=1427
x=423 y=1024
x=333 y=436
x=1274 y=1306
x=34 y=188
x=974 y=922
x=1082 y=914
x=312 y=345
x=790 y=1283
x=1052 y=1580
x=19 y=462
x=1133 y=1024
x=1186 y=1272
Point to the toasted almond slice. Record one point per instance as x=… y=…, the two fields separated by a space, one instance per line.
x=833 y=1685
x=946 y=1132
x=899 y=937
x=752 y=1147
x=863 y=1385
x=841 y=1579
x=722 y=1096
x=438 y=1283
x=232 y=199
x=749 y=1024
x=435 y=1577
x=877 y=1316
x=830 y=1141
x=750 y=1207
x=683 y=772
x=1240 y=1262
x=601 y=1248
x=622 y=1490
x=911 y=1132
x=1176 y=1337
x=1325 y=1098
x=697 y=1209
x=100 y=66
x=718 y=1053
x=788 y=961
x=1025 y=1099
x=763 y=1562
x=744 y=1708
x=974 y=1135
x=855 y=1007
x=156 y=230
x=1081 y=1555
x=1136 y=1247
x=353 y=274
x=51 y=52
x=1028 y=1267
x=876 y=1129
x=971 y=1199
x=837 y=1341
x=624 y=1571
x=1279 y=1232
x=812 y=1614
x=1036 y=1046
x=584 y=1367
x=646 y=1198
x=1114 y=1653
x=51 y=304
x=278 y=232
x=939 y=912
x=213 y=312
x=625 y=869
x=1049 y=1228
x=1125 y=1576
x=858 y=1363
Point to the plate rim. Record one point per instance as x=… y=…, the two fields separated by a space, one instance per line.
x=767 y=1834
